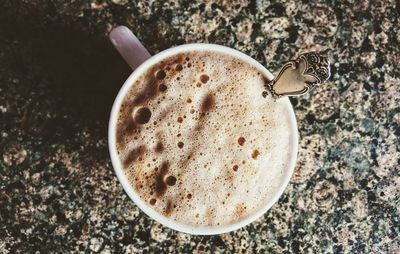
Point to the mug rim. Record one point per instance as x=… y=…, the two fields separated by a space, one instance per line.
x=123 y=178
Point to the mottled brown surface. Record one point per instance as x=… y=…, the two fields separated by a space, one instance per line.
x=59 y=76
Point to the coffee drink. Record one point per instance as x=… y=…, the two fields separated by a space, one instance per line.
x=199 y=143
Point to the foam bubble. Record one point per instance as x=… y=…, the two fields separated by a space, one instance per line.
x=241 y=141
x=142 y=115
x=162 y=87
x=204 y=78
x=160 y=74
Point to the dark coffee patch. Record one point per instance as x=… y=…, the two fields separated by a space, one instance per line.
x=189 y=196
x=178 y=67
x=200 y=123
x=180 y=119
x=255 y=154
x=142 y=115
x=148 y=92
x=235 y=167
x=134 y=155
x=125 y=128
x=184 y=162
x=168 y=208
x=160 y=186
x=171 y=180
x=159 y=147
x=189 y=100
x=153 y=201
x=162 y=87
x=208 y=103
x=241 y=141
x=204 y=78
x=180 y=145
x=161 y=74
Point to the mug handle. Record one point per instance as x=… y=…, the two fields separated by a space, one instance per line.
x=129 y=47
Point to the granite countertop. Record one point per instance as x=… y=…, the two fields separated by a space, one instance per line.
x=59 y=75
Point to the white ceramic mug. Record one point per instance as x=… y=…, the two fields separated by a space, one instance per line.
x=140 y=60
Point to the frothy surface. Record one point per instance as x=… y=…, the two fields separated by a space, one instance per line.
x=199 y=143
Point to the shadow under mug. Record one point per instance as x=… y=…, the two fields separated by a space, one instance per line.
x=139 y=59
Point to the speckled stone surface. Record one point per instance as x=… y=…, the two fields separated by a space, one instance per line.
x=59 y=76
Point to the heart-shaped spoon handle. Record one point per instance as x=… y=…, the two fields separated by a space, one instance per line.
x=299 y=76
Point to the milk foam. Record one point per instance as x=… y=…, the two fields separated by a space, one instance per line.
x=199 y=143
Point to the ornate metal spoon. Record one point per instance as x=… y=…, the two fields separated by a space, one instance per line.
x=299 y=76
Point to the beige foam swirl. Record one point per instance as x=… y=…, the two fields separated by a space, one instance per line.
x=199 y=143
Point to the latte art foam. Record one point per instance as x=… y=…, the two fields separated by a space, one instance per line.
x=198 y=142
